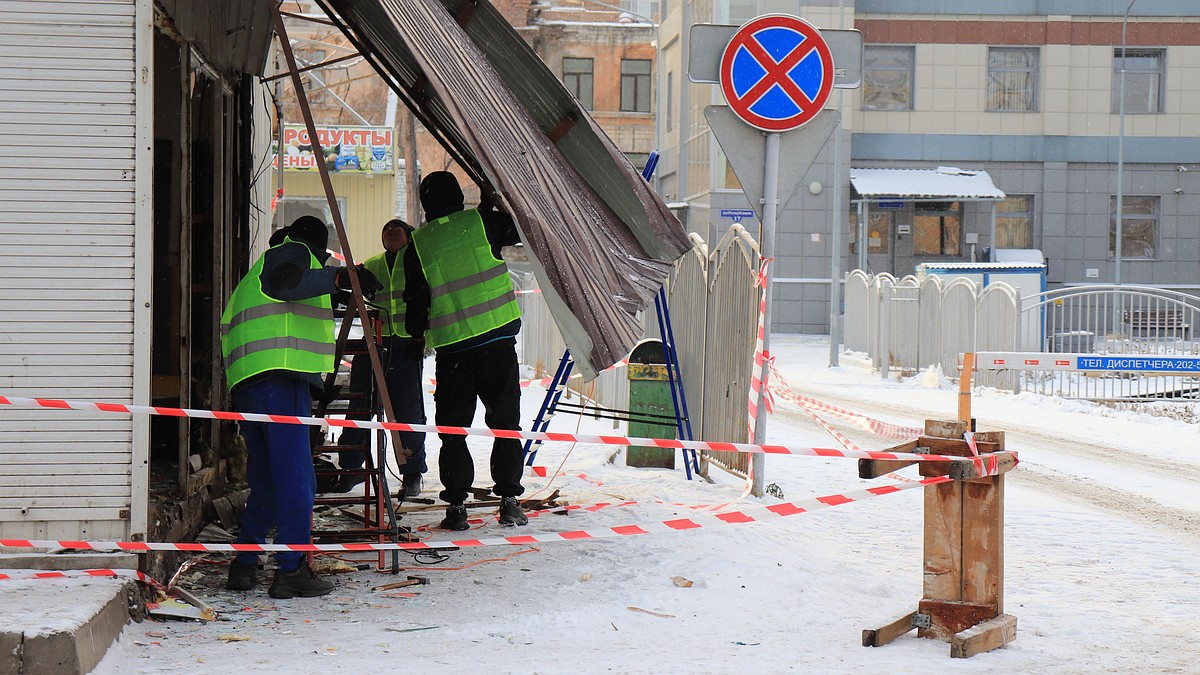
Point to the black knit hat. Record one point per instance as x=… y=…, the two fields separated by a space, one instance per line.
x=440 y=194
x=311 y=231
x=396 y=221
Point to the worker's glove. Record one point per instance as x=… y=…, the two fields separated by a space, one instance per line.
x=369 y=283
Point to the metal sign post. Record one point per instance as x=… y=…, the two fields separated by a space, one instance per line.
x=776 y=73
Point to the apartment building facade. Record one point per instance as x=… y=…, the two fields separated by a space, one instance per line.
x=1029 y=93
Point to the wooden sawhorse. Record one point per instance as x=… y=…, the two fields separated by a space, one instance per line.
x=963 y=600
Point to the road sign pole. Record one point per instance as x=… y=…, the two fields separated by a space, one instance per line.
x=769 y=210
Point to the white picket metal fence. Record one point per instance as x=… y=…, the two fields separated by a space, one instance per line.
x=908 y=325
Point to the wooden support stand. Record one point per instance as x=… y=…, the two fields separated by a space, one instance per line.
x=963 y=600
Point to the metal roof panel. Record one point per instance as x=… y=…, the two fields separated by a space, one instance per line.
x=602 y=241
x=944 y=182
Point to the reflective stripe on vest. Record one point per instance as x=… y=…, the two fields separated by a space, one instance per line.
x=391 y=297
x=470 y=290
x=260 y=333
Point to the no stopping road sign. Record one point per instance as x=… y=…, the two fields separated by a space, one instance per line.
x=776 y=72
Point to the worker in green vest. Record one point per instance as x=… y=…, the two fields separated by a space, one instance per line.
x=460 y=297
x=402 y=357
x=277 y=342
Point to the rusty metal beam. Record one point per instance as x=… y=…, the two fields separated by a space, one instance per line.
x=305 y=69
x=355 y=284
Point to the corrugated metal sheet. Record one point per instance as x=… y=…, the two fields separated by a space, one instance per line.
x=601 y=240
x=944 y=182
x=67 y=238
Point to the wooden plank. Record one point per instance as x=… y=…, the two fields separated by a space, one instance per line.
x=874 y=468
x=983 y=542
x=984 y=637
x=996 y=437
x=1004 y=462
x=949 y=618
x=952 y=446
x=946 y=428
x=878 y=637
x=942 y=567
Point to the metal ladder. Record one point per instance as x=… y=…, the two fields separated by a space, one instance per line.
x=372 y=502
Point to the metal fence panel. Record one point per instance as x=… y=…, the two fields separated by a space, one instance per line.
x=958 y=322
x=1109 y=319
x=856 y=319
x=732 y=309
x=929 y=322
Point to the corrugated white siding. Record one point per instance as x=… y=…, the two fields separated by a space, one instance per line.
x=68 y=199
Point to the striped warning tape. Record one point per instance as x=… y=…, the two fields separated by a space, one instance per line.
x=878 y=427
x=697 y=521
x=97 y=573
x=758 y=374
x=718 y=446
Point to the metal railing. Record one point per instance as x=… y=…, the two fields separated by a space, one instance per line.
x=1107 y=319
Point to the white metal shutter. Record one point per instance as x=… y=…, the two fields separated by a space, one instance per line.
x=67 y=230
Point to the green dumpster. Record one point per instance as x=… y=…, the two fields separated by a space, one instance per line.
x=651 y=409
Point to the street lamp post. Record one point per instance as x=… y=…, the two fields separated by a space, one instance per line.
x=1120 y=215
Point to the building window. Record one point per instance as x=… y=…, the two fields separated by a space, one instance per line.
x=291 y=208
x=1012 y=79
x=577 y=78
x=937 y=228
x=879 y=229
x=888 y=77
x=1143 y=80
x=741 y=11
x=670 y=101
x=1139 y=226
x=635 y=85
x=1014 y=222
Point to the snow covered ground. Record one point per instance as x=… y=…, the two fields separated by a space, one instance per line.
x=1102 y=551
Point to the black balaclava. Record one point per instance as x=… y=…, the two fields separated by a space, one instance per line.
x=440 y=195
x=310 y=231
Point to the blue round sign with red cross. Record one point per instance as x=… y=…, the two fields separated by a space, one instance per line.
x=776 y=72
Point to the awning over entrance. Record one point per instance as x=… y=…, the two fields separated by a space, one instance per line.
x=944 y=182
x=602 y=241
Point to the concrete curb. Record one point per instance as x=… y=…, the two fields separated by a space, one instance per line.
x=25 y=650
x=70 y=651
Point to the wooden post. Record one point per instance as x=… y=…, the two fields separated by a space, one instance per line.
x=963 y=571
x=964 y=387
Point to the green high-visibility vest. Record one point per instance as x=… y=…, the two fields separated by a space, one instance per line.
x=469 y=288
x=260 y=333
x=392 y=295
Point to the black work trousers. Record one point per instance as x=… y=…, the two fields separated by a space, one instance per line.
x=490 y=374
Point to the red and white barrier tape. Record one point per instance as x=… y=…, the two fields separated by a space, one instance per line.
x=696 y=521
x=98 y=573
x=877 y=427
x=760 y=355
x=716 y=446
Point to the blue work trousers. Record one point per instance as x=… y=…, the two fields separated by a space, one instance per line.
x=279 y=467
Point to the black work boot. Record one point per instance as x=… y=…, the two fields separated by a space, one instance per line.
x=242 y=577
x=300 y=582
x=456 y=518
x=511 y=513
x=412 y=486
